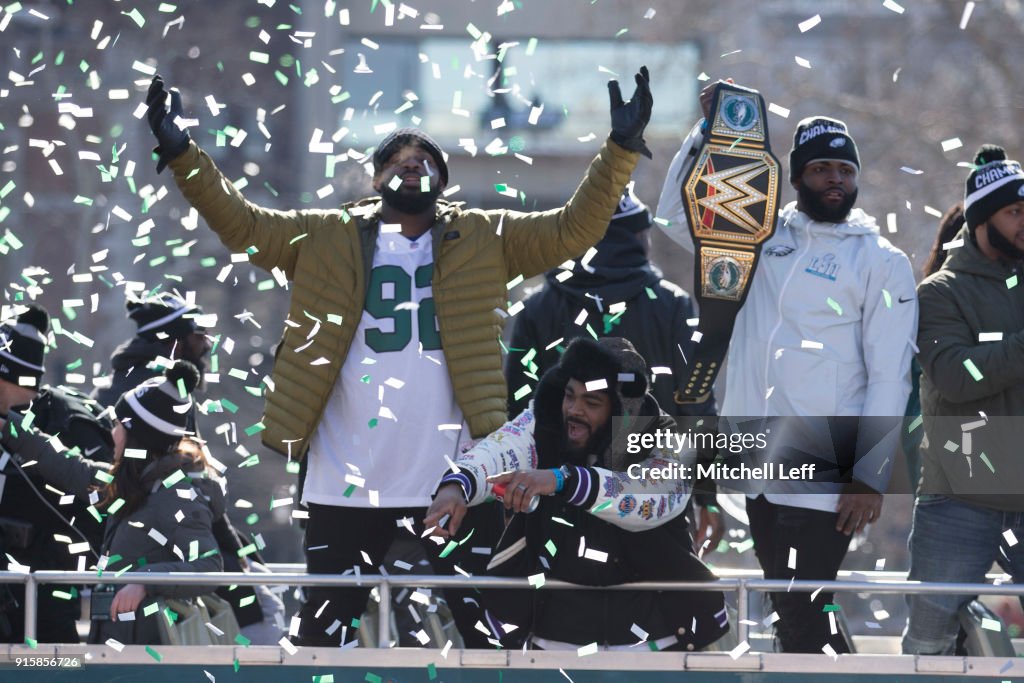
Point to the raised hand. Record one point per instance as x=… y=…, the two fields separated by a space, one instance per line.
x=171 y=140
x=629 y=119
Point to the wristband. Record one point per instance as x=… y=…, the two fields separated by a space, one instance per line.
x=559 y=480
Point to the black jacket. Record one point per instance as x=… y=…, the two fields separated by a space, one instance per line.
x=654 y=321
x=60 y=413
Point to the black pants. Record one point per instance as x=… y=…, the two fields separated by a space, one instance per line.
x=336 y=538
x=803 y=624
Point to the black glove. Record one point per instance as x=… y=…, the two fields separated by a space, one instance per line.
x=172 y=140
x=630 y=118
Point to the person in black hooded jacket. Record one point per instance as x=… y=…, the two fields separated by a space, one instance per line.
x=601 y=518
x=617 y=292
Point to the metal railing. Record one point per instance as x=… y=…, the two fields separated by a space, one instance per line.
x=742 y=587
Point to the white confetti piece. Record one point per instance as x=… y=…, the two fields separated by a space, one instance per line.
x=596 y=385
x=1011 y=539
x=596 y=555
x=791 y=562
x=802 y=62
x=116 y=645
x=912 y=171
x=638 y=632
x=966 y=16
x=590 y=649
x=990 y=336
x=778 y=110
x=951 y=144
x=953 y=244
x=829 y=650
x=808 y=24
x=739 y=650
x=807 y=344
x=894 y=6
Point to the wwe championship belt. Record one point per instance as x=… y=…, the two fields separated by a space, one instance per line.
x=731 y=195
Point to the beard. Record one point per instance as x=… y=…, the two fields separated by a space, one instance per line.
x=814 y=205
x=596 y=443
x=409 y=202
x=1001 y=244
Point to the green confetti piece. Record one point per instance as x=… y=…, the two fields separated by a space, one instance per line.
x=350 y=490
x=522 y=391
x=236 y=665
x=365 y=379
x=915 y=423
x=251 y=461
x=988 y=463
x=246 y=601
x=150 y=609
x=354 y=623
x=372 y=423
x=517 y=280
x=32 y=643
x=500 y=187
x=888 y=298
x=115 y=506
x=228 y=406
x=550 y=547
x=650 y=293
x=372 y=678
x=252 y=518
x=254 y=429
x=448 y=549
x=1011 y=282
x=952 y=446
x=324 y=678
x=834 y=305
x=247 y=550
x=139 y=20
x=973 y=369
x=173 y=478
x=622 y=31
x=75 y=365
x=105 y=477
x=591 y=331
x=334 y=318
x=62 y=595
x=744 y=546
x=292 y=467
x=431 y=671
x=603 y=506
x=281 y=78
x=6 y=189
x=831 y=608
x=240 y=639
x=531 y=47
x=154 y=654
x=170 y=615
x=79 y=199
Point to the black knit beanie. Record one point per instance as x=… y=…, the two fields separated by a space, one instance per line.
x=408 y=136
x=23 y=347
x=994 y=183
x=820 y=138
x=155 y=412
x=164 y=314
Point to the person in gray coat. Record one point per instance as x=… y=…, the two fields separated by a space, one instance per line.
x=159 y=498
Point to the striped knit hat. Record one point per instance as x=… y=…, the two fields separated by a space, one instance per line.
x=23 y=347
x=156 y=411
x=164 y=314
x=994 y=183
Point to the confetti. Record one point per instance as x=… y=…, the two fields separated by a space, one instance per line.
x=951 y=144
x=590 y=649
x=808 y=24
x=973 y=369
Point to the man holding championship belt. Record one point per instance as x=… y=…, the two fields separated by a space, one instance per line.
x=826 y=329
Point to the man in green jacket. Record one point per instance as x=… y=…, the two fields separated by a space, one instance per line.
x=970 y=504
x=390 y=361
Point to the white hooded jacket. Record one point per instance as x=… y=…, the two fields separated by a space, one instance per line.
x=827 y=328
